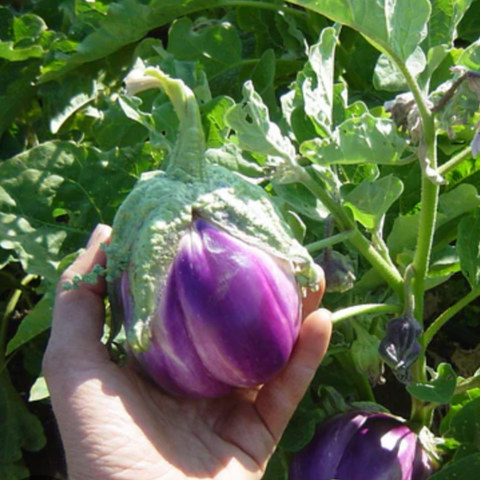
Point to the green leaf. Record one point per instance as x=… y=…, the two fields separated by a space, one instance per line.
x=61 y=101
x=436 y=55
x=16 y=89
x=458 y=402
x=256 y=133
x=396 y=26
x=300 y=198
x=25 y=33
x=213 y=115
x=13 y=471
x=213 y=44
x=465 y=426
x=39 y=390
x=469 y=27
x=440 y=389
x=468 y=248
x=465 y=469
x=358 y=59
x=230 y=156
x=364 y=139
x=470 y=58
x=20 y=428
x=388 y=77
x=299 y=432
x=56 y=193
x=36 y=322
x=277 y=468
x=371 y=200
x=452 y=206
x=296 y=224
x=463 y=451
x=126 y=22
x=314 y=84
x=442 y=26
x=263 y=78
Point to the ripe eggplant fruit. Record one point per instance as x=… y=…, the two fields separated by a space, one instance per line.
x=202 y=269
x=358 y=446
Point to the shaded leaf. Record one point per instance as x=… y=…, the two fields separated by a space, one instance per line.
x=36 y=322
x=465 y=469
x=468 y=248
x=213 y=44
x=440 y=389
x=465 y=425
x=442 y=26
x=20 y=428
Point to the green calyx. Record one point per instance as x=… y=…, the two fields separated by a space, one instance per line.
x=150 y=223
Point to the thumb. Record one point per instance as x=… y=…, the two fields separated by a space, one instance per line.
x=277 y=400
x=79 y=315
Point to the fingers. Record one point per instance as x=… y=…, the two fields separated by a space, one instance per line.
x=311 y=301
x=277 y=400
x=78 y=315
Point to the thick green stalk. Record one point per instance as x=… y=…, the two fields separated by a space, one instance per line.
x=187 y=159
x=345 y=223
x=428 y=213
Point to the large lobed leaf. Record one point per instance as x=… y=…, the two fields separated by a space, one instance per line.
x=393 y=26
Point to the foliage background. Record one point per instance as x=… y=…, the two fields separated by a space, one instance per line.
x=70 y=151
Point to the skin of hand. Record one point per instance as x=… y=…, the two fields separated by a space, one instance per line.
x=116 y=425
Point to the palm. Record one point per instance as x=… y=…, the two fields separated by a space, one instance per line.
x=117 y=425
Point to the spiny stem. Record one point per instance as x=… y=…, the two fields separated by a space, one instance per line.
x=429 y=201
x=344 y=223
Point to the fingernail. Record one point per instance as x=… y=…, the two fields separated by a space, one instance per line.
x=99 y=234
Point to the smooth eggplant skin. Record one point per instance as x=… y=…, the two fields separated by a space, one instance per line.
x=228 y=317
x=361 y=446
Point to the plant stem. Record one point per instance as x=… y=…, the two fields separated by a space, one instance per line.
x=442 y=319
x=467 y=384
x=187 y=159
x=9 y=309
x=368 y=308
x=451 y=91
x=328 y=242
x=455 y=161
x=344 y=223
x=428 y=213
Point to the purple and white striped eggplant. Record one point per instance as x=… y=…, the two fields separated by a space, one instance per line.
x=358 y=445
x=203 y=271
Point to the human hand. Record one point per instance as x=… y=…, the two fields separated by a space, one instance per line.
x=117 y=425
